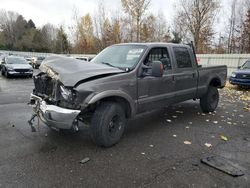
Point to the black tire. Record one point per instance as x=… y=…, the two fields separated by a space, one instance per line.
x=107 y=124
x=6 y=74
x=210 y=100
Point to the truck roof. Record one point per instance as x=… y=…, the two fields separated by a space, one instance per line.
x=155 y=44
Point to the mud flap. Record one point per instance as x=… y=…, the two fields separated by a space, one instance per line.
x=223 y=165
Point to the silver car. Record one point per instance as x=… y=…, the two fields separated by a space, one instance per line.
x=16 y=66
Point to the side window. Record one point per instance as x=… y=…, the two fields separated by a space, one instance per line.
x=182 y=57
x=159 y=54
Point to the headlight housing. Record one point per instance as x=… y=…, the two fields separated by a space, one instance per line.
x=10 y=68
x=66 y=93
x=233 y=75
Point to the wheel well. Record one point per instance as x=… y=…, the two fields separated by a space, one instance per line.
x=125 y=104
x=215 y=82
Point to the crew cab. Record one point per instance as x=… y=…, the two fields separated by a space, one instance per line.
x=121 y=82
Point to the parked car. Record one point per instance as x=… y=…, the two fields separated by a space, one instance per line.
x=241 y=77
x=16 y=66
x=37 y=61
x=122 y=81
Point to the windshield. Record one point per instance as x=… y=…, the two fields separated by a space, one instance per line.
x=246 y=65
x=16 y=60
x=120 y=56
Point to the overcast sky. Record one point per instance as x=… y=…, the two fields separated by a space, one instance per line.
x=60 y=12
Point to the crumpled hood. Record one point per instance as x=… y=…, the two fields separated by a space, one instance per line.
x=243 y=71
x=71 y=71
x=19 y=66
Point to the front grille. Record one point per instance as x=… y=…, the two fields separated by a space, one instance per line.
x=243 y=76
x=45 y=86
x=21 y=70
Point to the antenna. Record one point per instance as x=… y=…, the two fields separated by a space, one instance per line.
x=193 y=48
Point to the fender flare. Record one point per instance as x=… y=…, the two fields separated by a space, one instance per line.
x=113 y=93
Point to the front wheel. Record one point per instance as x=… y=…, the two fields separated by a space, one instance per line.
x=6 y=74
x=210 y=100
x=107 y=124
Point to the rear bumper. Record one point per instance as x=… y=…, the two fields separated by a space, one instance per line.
x=54 y=116
x=237 y=81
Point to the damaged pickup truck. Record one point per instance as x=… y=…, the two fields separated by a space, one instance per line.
x=122 y=81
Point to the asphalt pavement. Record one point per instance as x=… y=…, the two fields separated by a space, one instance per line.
x=162 y=148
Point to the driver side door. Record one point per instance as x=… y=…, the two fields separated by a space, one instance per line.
x=155 y=92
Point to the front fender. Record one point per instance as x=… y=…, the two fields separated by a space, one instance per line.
x=111 y=93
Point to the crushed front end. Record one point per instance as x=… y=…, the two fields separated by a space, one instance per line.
x=53 y=103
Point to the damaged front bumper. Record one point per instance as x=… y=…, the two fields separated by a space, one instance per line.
x=54 y=116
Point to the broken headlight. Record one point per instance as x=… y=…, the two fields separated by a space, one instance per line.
x=66 y=93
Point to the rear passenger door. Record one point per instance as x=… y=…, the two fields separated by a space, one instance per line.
x=185 y=74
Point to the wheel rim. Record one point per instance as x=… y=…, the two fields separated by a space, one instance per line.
x=115 y=125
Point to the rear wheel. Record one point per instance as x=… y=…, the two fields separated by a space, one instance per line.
x=210 y=100
x=107 y=124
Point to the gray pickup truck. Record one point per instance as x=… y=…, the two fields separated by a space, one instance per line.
x=120 y=82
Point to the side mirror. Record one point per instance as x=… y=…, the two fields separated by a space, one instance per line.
x=157 y=69
x=239 y=67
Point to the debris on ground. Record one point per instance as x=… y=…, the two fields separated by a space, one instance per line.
x=85 y=160
x=174 y=117
x=247 y=139
x=224 y=138
x=169 y=120
x=151 y=145
x=187 y=142
x=143 y=153
x=223 y=165
x=246 y=109
x=175 y=135
x=215 y=122
x=179 y=112
x=208 y=145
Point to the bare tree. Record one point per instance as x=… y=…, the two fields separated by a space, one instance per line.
x=136 y=9
x=85 y=35
x=196 y=17
x=7 y=22
x=246 y=34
